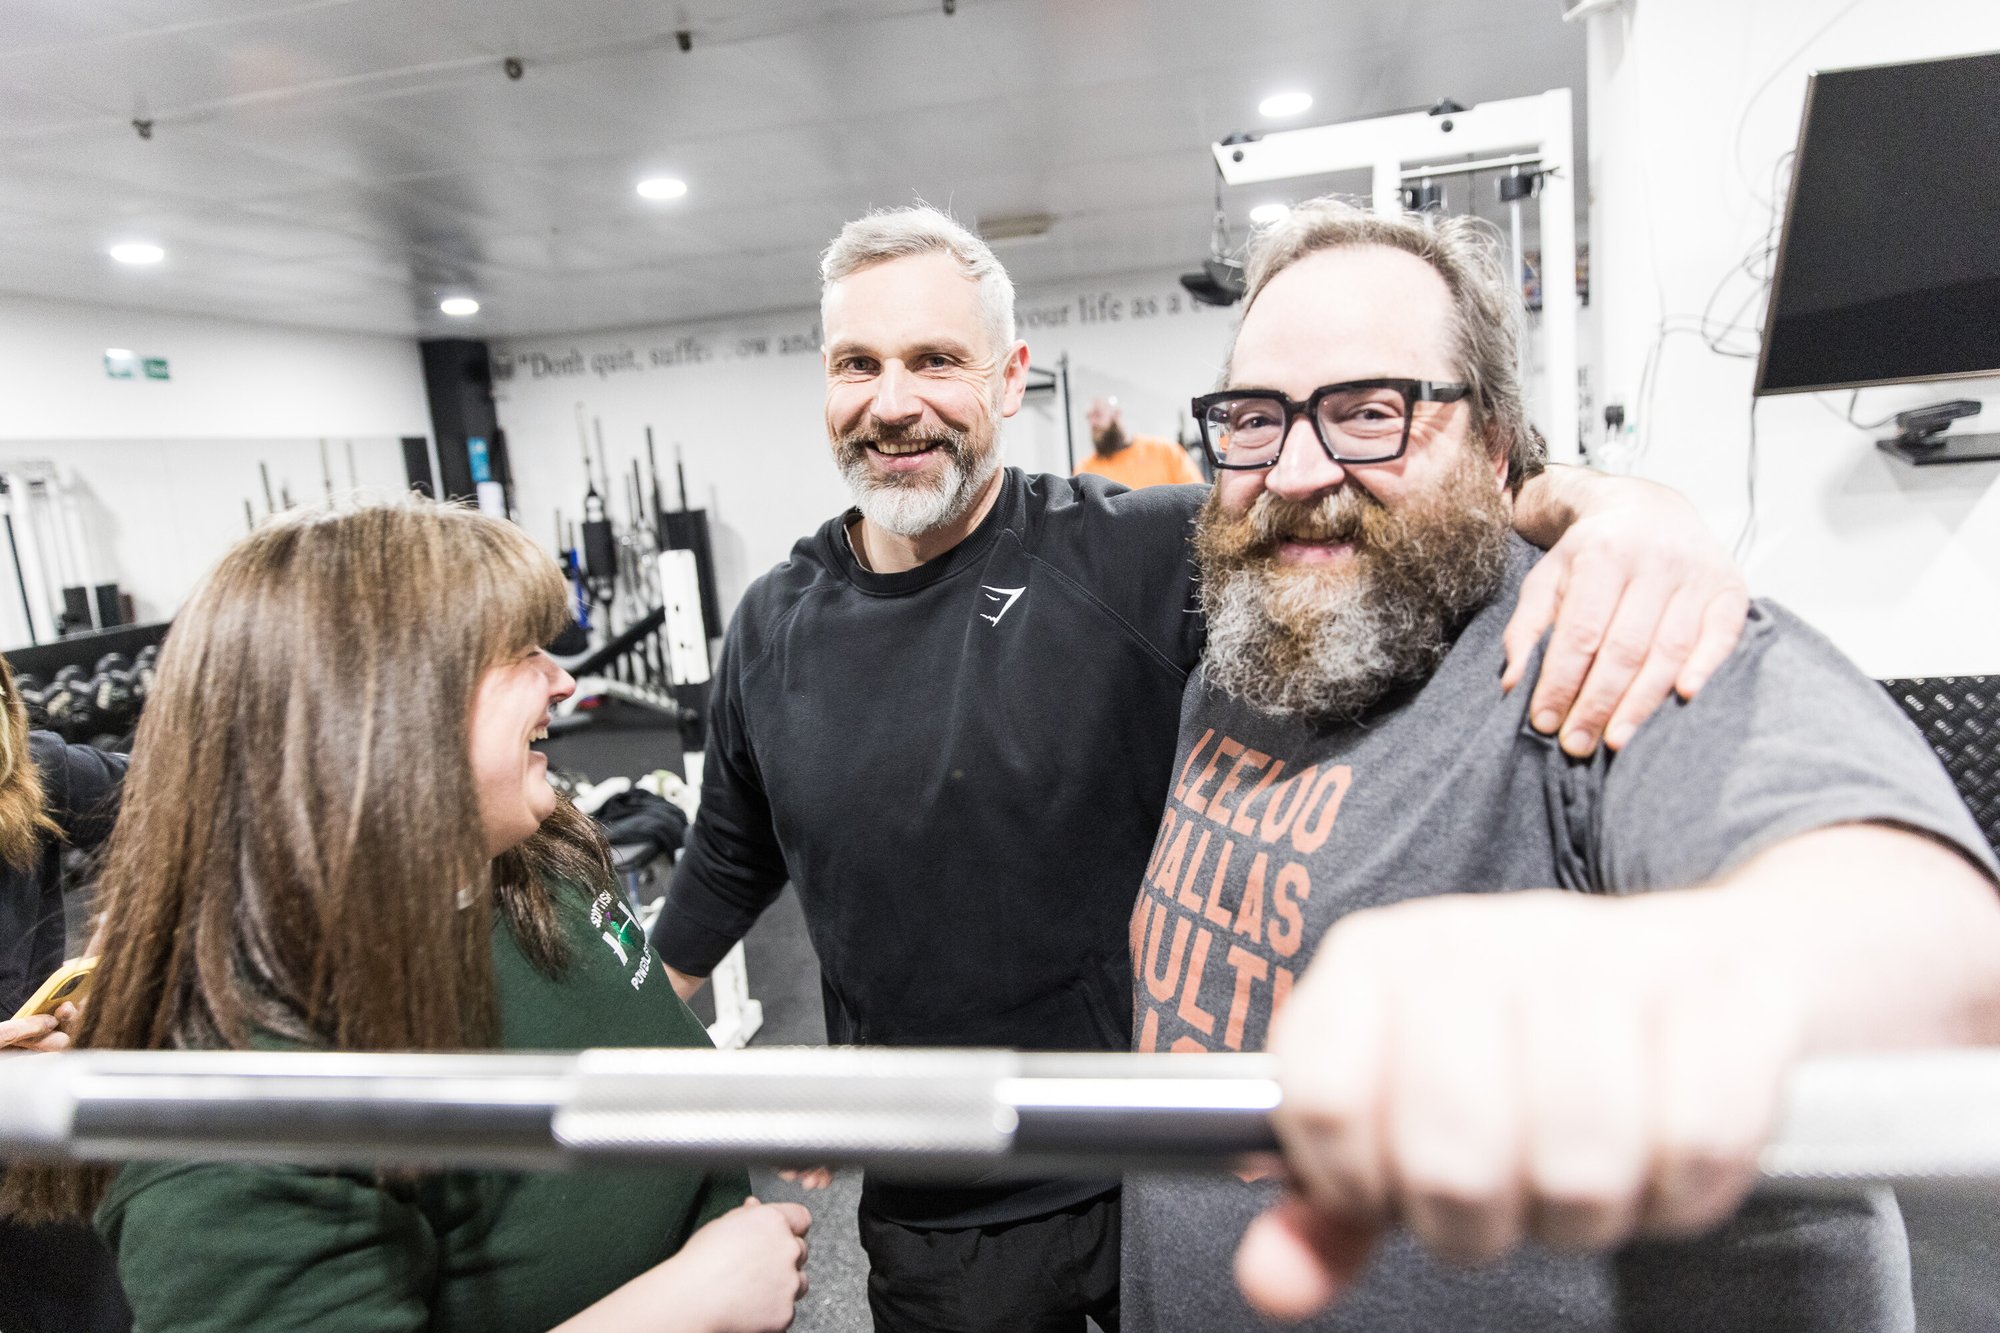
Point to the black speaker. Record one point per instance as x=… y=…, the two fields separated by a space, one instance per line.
x=110 y=608
x=76 y=611
x=458 y=380
x=417 y=465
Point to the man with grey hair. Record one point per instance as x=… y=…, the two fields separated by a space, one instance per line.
x=1526 y=1079
x=948 y=719
x=911 y=499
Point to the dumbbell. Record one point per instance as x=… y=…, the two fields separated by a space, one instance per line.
x=71 y=710
x=145 y=670
x=30 y=689
x=111 y=692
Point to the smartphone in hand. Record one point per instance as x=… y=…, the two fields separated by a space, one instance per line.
x=68 y=984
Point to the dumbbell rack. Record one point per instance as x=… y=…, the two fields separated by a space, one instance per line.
x=92 y=662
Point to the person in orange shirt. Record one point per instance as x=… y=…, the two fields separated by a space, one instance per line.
x=1133 y=460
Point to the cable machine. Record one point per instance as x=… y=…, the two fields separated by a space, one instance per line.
x=50 y=554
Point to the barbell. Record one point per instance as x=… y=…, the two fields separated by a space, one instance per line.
x=1926 y=1117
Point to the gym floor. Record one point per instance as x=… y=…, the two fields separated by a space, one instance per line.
x=784 y=978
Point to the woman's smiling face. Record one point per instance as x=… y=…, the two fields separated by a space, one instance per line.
x=510 y=711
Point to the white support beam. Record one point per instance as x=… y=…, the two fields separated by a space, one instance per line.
x=1559 y=351
x=738 y=1016
x=1410 y=138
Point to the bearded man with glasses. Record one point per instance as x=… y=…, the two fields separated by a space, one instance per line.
x=1523 y=1090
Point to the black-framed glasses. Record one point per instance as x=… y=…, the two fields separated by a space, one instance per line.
x=1361 y=421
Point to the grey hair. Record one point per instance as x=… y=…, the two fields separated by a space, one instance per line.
x=902 y=233
x=1487 y=309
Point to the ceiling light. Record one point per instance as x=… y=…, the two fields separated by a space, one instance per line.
x=662 y=187
x=137 y=252
x=1280 y=106
x=460 y=306
x=1265 y=214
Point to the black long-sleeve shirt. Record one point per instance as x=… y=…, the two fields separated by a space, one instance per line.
x=80 y=792
x=962 y=768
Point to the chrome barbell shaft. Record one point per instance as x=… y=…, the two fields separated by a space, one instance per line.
x=1901 y=1118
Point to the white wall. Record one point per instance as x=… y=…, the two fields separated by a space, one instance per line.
x=230 y=380
x=156 y=472
x=742 y=401
x=1692 y=103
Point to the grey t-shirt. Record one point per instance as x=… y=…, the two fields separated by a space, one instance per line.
x=1274 y=831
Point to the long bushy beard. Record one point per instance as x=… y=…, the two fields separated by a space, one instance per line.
x=1110 y=440
x=912 y=504
x=1326 y=643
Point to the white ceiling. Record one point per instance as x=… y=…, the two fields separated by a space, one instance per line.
x=347 y=163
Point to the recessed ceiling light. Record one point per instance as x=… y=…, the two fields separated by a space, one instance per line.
x=1279 y=106
x=137 y=252
x=460 y=306
x=662 y=187
x=1265 y=214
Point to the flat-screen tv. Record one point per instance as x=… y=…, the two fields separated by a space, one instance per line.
x=1889 y=266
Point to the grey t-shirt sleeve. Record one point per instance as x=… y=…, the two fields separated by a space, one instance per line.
x=1787 y=737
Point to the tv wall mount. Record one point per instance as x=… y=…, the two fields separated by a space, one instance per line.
x=1921 y=442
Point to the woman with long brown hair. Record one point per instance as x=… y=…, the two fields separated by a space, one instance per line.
x=336 y=836
x=53 y=796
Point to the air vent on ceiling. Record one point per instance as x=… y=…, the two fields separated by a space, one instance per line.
x=1016 y=230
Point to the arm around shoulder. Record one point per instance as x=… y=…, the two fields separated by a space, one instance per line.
x=1639 y=599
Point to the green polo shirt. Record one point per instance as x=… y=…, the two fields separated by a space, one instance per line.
x=212 y=1248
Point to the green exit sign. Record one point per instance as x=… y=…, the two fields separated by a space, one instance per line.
x=122 y=364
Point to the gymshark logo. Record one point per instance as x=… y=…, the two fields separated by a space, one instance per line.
x=1005 y=596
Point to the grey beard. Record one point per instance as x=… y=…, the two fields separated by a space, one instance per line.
x=1329 y=644
x=913 y=508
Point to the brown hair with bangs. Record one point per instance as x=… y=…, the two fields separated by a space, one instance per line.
x=300 y=855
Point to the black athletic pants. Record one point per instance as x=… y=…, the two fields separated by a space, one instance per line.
x=1039 y=1276
x=58 y=1280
